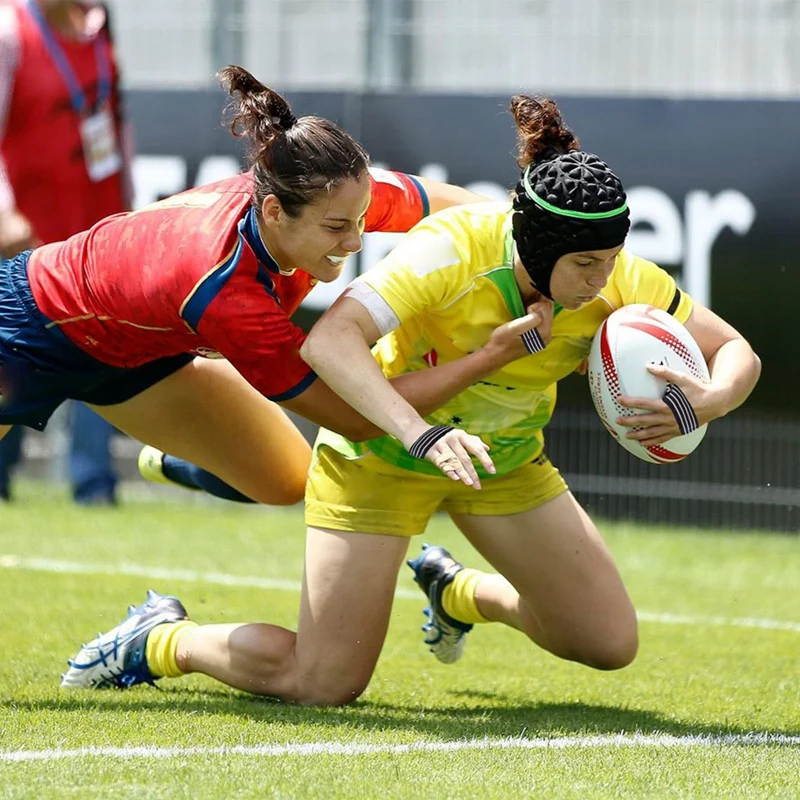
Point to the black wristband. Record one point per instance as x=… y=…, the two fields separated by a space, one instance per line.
x=428 y=439
x=533 y=341
x=681 y=408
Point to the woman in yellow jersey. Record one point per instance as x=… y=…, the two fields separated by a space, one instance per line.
x=434 y=299
x=552 y=258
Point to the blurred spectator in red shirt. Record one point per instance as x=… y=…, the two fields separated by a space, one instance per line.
x=64 y=164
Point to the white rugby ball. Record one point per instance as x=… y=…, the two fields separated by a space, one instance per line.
x=632 y=337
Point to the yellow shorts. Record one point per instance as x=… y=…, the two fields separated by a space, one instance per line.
x=368 y=495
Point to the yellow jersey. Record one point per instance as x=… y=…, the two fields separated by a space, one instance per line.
x=442 y=292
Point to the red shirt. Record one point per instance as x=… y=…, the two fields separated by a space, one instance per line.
x=191 y=274
x=41 y=145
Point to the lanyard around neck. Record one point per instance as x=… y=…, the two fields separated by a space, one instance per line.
x=77 y=97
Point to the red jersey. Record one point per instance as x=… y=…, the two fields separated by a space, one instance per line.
x=190 y=274
x=41 y=145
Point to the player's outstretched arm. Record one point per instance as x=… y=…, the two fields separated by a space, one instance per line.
x=443 y=195
x=338 y=350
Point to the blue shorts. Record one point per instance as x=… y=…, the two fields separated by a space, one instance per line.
x=40 y=367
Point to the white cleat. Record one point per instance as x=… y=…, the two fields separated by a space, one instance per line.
x=117 y=658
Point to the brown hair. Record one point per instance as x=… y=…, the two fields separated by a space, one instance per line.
x=293 y=159
x=540 y=129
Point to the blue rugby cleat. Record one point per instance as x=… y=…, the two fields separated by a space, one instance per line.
x=434 y=569
x=117 y=658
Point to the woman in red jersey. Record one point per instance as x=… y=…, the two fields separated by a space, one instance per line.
x=117 y=315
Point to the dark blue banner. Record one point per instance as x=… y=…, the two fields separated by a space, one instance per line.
x=711 y=184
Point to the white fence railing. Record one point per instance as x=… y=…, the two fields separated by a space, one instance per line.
x=694 y=48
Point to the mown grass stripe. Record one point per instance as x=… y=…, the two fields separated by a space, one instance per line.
x=279 y=584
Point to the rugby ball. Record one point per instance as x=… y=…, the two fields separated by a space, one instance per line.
x=629 y=339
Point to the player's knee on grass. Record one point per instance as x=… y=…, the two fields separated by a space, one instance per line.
x=314 y=694
x=616 y=649
x=318 y=689
x=608 y=648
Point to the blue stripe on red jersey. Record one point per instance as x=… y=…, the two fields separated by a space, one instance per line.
x=212 y=284
x=423 y=195
x=249 y=229
x=205 y=292
x=295 y=390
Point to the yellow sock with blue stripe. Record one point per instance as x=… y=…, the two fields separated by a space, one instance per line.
x=161 y=648
x=458 y=597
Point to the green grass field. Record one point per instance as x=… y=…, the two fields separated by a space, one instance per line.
x=711 y=707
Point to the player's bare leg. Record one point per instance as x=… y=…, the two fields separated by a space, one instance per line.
x=345 y=608
x=557 y=583
x=209 y=415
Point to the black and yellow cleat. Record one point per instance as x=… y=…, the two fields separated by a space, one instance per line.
x=434 y=569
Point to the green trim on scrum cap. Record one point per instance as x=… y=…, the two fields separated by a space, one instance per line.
x=526 y=182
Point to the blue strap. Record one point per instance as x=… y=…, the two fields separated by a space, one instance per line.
x=77 y=97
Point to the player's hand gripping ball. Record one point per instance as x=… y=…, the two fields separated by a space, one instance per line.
x=631 y=338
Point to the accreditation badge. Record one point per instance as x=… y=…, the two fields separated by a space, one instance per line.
x=100 y=146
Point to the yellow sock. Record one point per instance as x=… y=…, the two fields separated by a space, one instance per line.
x=161 y=648
x=458 y=597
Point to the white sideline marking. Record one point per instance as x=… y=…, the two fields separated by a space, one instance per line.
x=663 y=740
x=223 y=579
